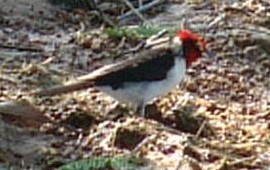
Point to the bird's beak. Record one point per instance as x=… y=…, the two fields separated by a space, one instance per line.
x=203 y=46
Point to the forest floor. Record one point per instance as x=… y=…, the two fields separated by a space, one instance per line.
x=217 y=118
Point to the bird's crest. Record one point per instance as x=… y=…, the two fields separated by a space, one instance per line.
x=193 y=45
x=186 y=36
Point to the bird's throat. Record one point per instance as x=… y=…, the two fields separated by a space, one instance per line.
x=192 y=54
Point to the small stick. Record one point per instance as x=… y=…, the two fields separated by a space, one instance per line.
x=143 y=142
x=21 y=48
x=141 y=9
x=216 y=20
x=199 y=132
x=153 y=40
x=134 y=10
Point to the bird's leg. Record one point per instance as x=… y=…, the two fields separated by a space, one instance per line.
x=141 y=109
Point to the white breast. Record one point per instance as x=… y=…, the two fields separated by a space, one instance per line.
x=136 y=94
x=162 y=87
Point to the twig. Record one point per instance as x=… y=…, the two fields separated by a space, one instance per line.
x=216 y=20
x=106 y=19
x=140 y=3
x=199 y=132
x=143 y=142
x=21 y=48
x=142 y=8
x=242 y=160
x=158 y=35
x=134 y=10
x=132 y=50
x=153 y=40
x=156 y=39
x=102 y=16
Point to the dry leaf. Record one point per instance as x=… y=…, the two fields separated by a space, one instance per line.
x=22 y=111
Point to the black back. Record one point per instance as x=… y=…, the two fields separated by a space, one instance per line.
x=151 y=69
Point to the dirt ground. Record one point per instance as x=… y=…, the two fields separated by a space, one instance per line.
x=217 y=118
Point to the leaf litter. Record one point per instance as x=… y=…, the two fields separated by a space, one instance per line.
x=218 y=117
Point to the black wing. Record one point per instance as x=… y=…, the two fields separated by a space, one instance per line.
x=149 y=65
x=152 y=66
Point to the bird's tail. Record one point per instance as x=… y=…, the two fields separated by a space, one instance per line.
x=75 y=86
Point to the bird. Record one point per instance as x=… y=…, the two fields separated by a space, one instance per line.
x=150 y=73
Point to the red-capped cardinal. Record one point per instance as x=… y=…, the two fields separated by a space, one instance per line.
x=151 y=73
